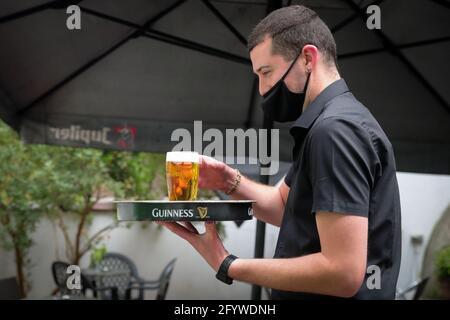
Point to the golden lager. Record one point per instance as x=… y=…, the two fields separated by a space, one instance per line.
x=182 y=175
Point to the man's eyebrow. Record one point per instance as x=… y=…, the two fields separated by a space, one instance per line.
x=262 y=67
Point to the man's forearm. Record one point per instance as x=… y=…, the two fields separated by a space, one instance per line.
x=269 y=206
x=312 y=274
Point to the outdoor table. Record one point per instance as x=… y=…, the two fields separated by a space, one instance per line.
x=99 y=275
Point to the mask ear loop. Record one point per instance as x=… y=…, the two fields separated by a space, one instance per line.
x=306 y=83
x=290 y=67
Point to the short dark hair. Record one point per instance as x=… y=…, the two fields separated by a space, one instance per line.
x=291 y=28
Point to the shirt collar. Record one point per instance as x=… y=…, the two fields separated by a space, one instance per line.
x=316 y=107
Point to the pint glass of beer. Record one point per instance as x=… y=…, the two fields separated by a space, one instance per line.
x=182 y=175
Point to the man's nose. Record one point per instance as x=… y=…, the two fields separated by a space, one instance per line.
x=263 y=88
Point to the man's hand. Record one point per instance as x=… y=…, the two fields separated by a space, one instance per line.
x=215 y=175
x=270 y=201
x=208 y=244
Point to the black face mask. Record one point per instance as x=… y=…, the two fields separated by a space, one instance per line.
x=281 y=104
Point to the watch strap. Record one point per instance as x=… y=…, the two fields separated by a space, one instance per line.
x=222 y=273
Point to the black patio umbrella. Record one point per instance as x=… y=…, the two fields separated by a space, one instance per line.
x=138 y=70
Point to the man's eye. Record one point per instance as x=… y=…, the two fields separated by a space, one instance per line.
x=265 y=73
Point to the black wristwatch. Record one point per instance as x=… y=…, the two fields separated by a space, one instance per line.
x=222 y=273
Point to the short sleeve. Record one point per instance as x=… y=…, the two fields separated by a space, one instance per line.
x=289 y=175
x=341 y=167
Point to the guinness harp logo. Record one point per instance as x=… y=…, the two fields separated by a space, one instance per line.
x=202 y=211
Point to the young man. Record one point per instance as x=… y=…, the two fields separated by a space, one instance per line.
x=338 y=208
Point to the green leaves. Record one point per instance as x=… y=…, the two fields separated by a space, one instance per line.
x=97 y=255
x=58 y=182
x=135 y=172
x=443 y=263
x=20 y=195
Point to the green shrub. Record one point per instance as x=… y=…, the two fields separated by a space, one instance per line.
x=443 y=263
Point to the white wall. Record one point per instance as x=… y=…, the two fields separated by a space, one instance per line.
x=423 y=199
x=151 y=249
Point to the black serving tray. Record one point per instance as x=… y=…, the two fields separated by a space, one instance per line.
x=208 y=210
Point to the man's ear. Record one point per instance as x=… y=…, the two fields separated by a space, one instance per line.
x=310 y=55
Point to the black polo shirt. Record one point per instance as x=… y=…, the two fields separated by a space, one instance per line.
x=344 y=163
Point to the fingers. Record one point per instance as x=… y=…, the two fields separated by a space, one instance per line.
x=188 y=232
x=188 y=225
x=210 y=227
x=180 y=230
x=203 y=161
x=206 y=161
x=201 y=182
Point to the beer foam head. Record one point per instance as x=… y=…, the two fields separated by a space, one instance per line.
x=182 y=156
